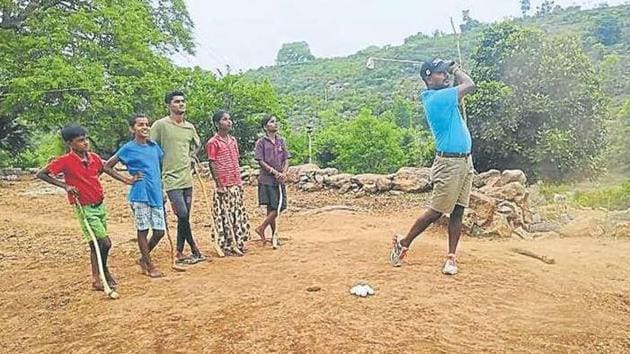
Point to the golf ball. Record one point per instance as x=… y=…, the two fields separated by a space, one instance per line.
x=362 y=291
x=370 y=291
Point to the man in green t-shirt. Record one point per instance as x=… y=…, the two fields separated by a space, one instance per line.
x=179 y=140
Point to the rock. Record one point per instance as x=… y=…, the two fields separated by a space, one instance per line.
x=310 y=187
x=499 y=227
x=329 y=171
x=345 y=188
x=296 y=172
x=337 y=181
x=372 y=183
x=484 y=207
x=9 y=178
x=319 y=179
x=412 y=180
x=481 y=179
x=519 y=232
x=11 y=172
x=542 y=227
x=513 y=212
x=621 y=230
x=514 y=192
x=396 y=193
x=509 y=176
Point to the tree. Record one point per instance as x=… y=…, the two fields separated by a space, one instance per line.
x=294 y=53
x=607 y=31
x=525 y=6
x=539 y=105
x=469 y=23
x=546 y=8
x=93 y=62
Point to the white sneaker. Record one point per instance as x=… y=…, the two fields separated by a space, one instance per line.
x=450 y=267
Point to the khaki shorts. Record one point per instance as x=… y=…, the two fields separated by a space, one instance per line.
x=452 y=181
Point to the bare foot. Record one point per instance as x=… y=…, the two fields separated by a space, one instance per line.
x=261 y=233
x=154 y=273
x=97 y=286
x=111 y=281
x=143 y=266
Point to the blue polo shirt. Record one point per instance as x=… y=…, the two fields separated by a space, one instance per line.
x=449 y=129
x=143 y=158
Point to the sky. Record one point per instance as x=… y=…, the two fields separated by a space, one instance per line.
x=247 y=34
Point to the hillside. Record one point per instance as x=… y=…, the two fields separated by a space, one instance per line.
x=343 y=84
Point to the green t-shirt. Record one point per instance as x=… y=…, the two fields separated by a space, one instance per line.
x=177 y=140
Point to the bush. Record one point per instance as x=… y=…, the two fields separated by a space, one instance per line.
x=611 y=198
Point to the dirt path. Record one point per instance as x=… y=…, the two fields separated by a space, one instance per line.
x=500 y=301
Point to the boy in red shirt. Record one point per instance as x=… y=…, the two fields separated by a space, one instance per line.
x=81 y=170
x=231 y=224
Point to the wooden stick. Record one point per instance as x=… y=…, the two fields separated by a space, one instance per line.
x=541 y=258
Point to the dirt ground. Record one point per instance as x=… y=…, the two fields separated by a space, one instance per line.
x=499 y=302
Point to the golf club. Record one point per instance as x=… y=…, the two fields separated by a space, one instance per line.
x=274 y=236
x=371 y=65
x=111 y=293
x=174 y=265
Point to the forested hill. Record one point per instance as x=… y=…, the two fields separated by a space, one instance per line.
x=343 y=84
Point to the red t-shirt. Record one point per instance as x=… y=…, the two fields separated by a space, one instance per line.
x=83 y=175
x=224 y=153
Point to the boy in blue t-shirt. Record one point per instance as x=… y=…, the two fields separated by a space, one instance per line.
x=142 y=156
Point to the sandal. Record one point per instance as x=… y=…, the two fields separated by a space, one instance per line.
x=186 y=260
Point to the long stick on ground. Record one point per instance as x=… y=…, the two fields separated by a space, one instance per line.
x=111 y=293
x=174 y=265
x=274 y=236
x=461 y=63
x=215 y=242
x=541 y=258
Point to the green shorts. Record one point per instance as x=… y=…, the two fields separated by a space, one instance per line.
x=95 y=216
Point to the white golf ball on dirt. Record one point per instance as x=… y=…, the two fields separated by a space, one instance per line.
x=362 y=291
x=370 y=291
x=353 y=291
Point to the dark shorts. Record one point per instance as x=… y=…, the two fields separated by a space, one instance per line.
x=269 y=195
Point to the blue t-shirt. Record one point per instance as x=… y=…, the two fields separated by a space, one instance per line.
x=449 y=129
x=143 y=158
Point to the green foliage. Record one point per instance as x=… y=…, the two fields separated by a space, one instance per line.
x=619 y=153
x=539 y=106
x=92 y=62
x=365 y=143
x=525 y=7
x=294 y=53
x=43 y=148
x=611 y=198
x=607 y=31
x=469 y=23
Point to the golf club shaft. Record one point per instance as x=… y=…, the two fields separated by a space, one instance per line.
x=97 y=249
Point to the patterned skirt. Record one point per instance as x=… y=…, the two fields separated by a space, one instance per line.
x=231 y=224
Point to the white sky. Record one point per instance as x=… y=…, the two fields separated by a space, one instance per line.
x=247 y=34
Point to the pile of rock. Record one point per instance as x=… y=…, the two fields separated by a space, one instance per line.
x=310 y=177
x=14 y=174
x=499 y=205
